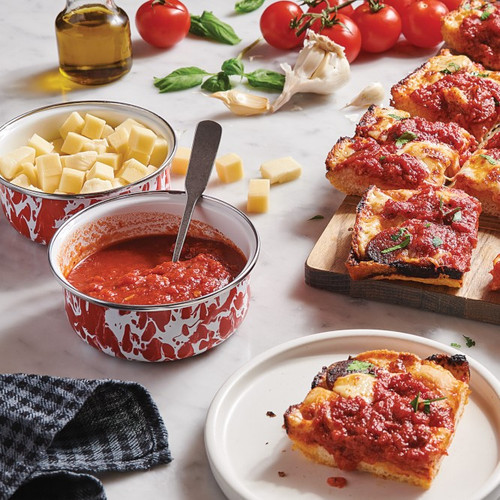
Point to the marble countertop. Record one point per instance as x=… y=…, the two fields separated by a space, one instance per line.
x=35 y=336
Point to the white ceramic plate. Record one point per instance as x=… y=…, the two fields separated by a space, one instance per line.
x=251 y=457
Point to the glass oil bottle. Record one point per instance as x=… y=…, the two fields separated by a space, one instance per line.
x=93 y=40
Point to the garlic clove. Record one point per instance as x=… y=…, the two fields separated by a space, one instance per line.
x=373 y=93
x=243 y=104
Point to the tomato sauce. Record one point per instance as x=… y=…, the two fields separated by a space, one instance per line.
x=141 y=271
x=464 y=98
x=375 y=160
x=482 y=34
x=389 y=429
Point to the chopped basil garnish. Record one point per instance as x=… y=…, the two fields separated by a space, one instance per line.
x=396 y=117
x=426 y=402
x=455 y=345
x=405 y=137
x=468 y=341
x=382 y=158
x=402 y=232
x=482 y=75
x=485 y=14
x=437 y=242
x=447 y=71
x=490 y=159
x=360 y=366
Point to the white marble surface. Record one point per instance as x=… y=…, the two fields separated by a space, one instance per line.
x=34 y=333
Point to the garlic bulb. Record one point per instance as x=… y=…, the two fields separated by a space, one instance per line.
x=243 y=104
x=373 y=93
x=321 y=68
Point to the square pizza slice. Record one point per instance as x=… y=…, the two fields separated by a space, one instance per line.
x=424 y=235
x=452 y=88
x=392 y=150
x=389 y=413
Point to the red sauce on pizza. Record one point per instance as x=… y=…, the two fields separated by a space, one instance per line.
x=436 y=132
x=464 y=98
x=382 y=162
x=390 y=428
x=482 y=34
x=140 y=270
x=493 y=142
x=495 y=273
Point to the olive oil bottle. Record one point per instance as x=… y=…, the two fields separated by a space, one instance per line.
x=93 y=40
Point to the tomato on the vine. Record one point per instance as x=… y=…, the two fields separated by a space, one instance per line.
x=452 y=4
x=422 y=22
x=345 y=33
x=276 y=25
x=380 y=26
x=399 y=5
x=162 y=23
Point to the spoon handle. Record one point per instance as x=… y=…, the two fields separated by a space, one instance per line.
x=205 y=144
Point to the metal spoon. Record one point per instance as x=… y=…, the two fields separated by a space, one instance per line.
x=205 y=145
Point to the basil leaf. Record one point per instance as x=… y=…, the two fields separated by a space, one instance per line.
x=266 y=79
x=490 y=159
x=197 y=27
x=485 y=15
x=360 y=366
x=233 y=67
x=455 y=345
x=402 y=231
x=405 y=137
x=216 y=83
x=437 y=242
x=244 y=6
x=468 y=341
x=181 y=79
x=210 y=26
x=396 y=117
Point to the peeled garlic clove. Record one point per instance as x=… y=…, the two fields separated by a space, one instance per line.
x=373 y=93
x=243 y=104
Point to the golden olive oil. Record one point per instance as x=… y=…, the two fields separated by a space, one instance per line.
x=94 y=43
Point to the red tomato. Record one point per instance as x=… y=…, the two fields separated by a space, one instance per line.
x=347 y=10
x=422 y=22
x=345 y=33
x=162 y=23
x=380 y=29
x=452 y=4
x=275 y=25
x=399 y=5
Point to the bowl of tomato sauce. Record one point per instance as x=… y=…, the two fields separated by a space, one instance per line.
x=123 y=294
x=48 y=154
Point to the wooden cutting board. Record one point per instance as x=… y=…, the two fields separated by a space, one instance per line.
x=325 y=269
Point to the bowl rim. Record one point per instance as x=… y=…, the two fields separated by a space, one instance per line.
x=93 y=102
x=250 y=264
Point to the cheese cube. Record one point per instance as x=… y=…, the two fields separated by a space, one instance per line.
x=117 y=182
x=40 y=145
x=151 y=169
x=132 y=171
x=101 y=171
x=95 y=184
x=180 y=162
x=229 y=168
x=73 y=143
x=21 y=180
x=74 y=123
x=10 y=163
x=80 y=161
x=118 y=140
x=93 y=126
x=139 y=156
x=258 y=195
x=112 y=159
x=159 y=153
x=128 y=124
x=49 y=171
x=108 y=129
x=71 y=180
x=281 y=170
x=29 y=170
x=141 y=139
x=98 y=145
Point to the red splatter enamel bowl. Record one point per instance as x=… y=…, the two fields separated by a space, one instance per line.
x=155 y=332
x=38 y=215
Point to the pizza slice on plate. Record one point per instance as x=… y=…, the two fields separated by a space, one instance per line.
x=392 y=150
x=389 y=413
x=424 y=235
x=452 y=88
x=473 y=30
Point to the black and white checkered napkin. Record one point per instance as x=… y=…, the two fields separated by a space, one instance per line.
x=55 y=432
